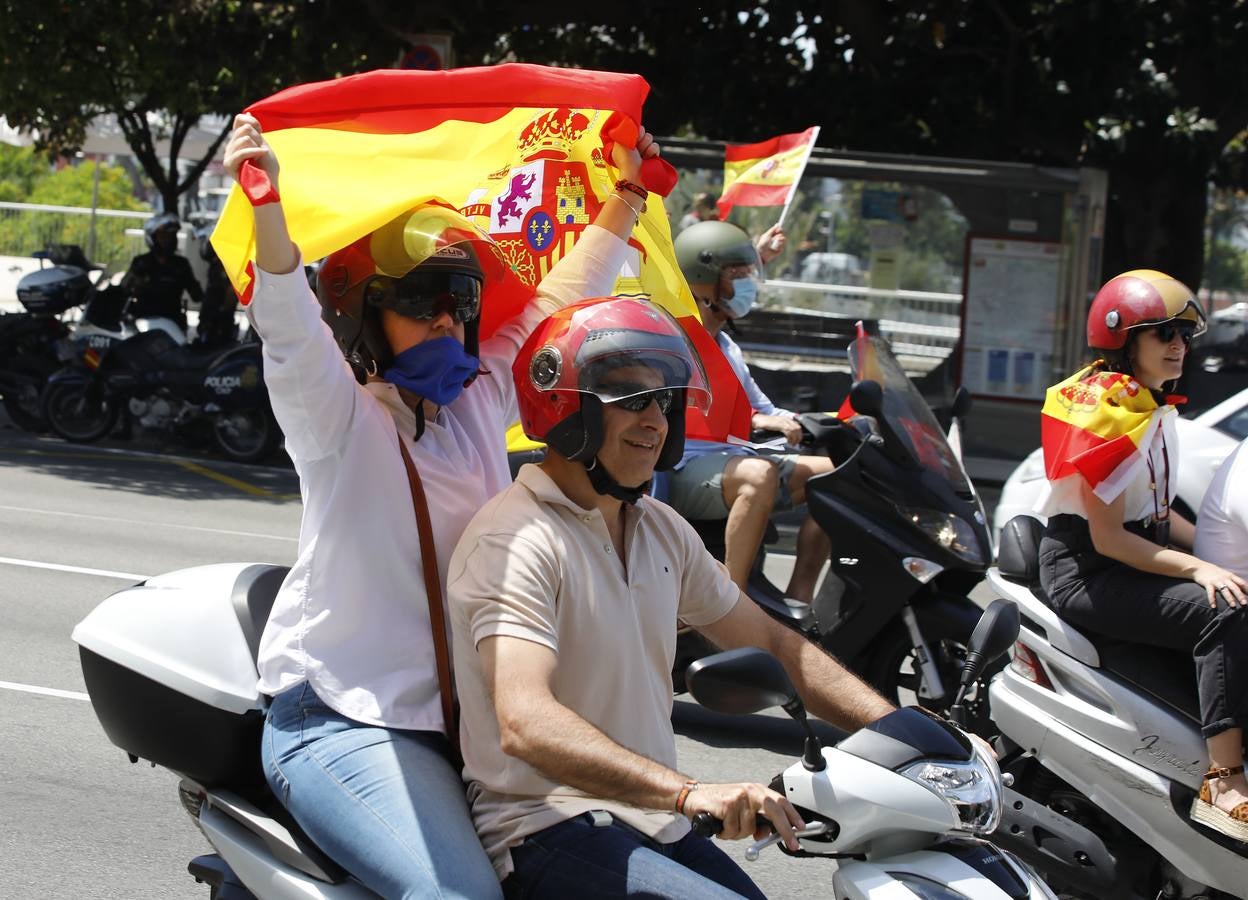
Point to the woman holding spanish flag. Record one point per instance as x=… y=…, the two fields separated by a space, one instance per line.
x=1115 y=558
x=358 y=740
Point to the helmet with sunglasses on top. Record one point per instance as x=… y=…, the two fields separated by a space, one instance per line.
x=426 y=262
x=1141 y=298
x=586 y=355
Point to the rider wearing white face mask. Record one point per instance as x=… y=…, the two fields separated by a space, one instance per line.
x=728 y=481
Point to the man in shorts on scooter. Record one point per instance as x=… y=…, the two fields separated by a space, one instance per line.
x=729 y=481
x=564 y=593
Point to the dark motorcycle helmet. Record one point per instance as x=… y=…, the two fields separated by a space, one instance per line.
x=424 y=260
x=160 y=232
x=564 y=373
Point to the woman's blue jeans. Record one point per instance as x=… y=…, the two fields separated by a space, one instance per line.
x=594 y=857
x=384 y=803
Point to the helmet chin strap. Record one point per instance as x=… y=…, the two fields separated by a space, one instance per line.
x=602 y=482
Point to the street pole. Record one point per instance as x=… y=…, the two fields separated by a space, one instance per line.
x=95 y=202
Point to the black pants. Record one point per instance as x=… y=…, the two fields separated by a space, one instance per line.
x=1105 y=596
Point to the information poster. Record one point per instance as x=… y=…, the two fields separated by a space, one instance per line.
x=1009 y=313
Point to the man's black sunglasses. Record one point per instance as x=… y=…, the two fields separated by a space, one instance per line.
x=1167 y=331
x=427 y=295
x=640 y=402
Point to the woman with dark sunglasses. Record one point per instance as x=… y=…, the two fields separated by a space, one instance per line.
x=388 y=365
x=1115 y=558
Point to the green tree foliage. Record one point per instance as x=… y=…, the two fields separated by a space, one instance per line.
x=20 y=168
x=160 y=65
x=74 y=186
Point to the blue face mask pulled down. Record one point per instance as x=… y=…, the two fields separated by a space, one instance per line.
x=744 y=293
x=435 y=370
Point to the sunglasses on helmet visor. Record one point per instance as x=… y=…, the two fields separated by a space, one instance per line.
x=1167 y=331
x=639 y=402
x=427 y=295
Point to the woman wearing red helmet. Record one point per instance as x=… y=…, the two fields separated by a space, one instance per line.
x=1115 y=558
x=381 y=388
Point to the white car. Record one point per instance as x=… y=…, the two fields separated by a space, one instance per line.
x=1204 y=441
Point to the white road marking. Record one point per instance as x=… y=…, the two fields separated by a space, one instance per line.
x=50 y=692
x=49 y=512
x=77 y=570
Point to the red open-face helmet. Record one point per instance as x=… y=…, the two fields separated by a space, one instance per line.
x=1135 y=299
x=572 y=364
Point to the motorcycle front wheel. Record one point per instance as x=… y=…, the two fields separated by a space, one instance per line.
x=893 y=670
x=75 y=416
x=248 y=435
x=22 y=404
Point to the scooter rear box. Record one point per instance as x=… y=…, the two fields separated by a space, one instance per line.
x=169 y=665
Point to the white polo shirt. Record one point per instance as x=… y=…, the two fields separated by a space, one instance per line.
x=534 y=565
x=1222 y=525
x=352 y=618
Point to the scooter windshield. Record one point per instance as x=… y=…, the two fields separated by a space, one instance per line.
x=908 y=415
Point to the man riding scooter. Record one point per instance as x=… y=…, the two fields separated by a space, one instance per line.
x=728 y=481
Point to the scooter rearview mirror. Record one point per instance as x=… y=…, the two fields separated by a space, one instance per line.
x=867 y=397
x=739 y=682
x=961 y=403
x=995 y=633
x=748 y=680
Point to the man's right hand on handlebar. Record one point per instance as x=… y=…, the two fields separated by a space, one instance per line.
x=737 y=806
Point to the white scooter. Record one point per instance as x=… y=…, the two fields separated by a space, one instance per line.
x=170 y=667
x=908 y=803
x=1108 y=733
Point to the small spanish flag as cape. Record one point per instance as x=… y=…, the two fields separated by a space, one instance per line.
x=522 y=150
x=1100 y=426
x=766 y=173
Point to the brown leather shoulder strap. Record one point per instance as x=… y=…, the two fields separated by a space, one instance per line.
x=433 y=590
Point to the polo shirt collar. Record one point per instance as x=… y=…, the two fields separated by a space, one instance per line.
x=544 y=489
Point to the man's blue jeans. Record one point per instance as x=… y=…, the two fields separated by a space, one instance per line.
x=579 y=858
x=383 y=803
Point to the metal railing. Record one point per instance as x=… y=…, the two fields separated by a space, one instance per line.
x=921 y=324
x=110 y=237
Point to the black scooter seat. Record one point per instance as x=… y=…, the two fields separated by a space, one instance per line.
x=1168 y=675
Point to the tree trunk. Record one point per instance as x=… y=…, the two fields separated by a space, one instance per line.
x=1156 y=218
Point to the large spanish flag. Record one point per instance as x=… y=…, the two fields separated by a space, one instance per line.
x=766 y=173
x=522 y=150
x=1099 y=426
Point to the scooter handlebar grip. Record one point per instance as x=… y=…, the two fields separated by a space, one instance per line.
x=706 y=825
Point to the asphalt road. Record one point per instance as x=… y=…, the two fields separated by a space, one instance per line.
x=77 y=523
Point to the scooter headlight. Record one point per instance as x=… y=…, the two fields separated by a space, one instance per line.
x=972 y=788
x=952 y=532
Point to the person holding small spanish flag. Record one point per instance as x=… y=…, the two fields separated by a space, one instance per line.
x=1115 y=558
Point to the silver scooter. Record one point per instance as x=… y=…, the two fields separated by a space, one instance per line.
x=1108 y=733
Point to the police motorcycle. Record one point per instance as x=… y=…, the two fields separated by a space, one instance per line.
x=1108 y=733
x=909 y=541
x=166 y=386
x=908 y=806
x=33 y=343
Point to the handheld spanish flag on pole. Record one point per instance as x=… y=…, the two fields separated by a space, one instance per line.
x=766 y=173
x=521 y=150
x=1100 y=426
